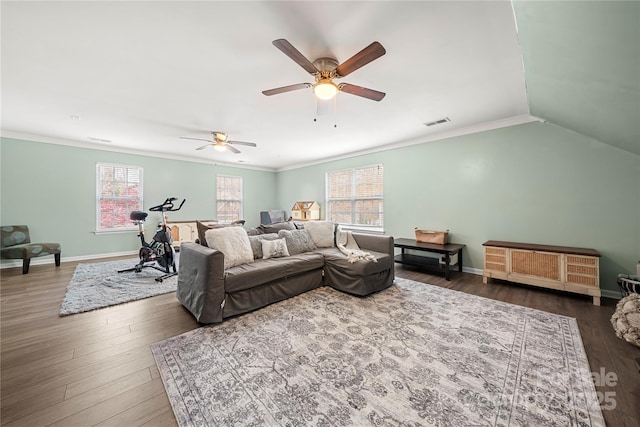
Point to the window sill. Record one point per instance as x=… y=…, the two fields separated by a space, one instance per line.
x=118 y=231
x=363 y=230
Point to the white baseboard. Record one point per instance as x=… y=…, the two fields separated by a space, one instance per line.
x=476 y=271
x=608 y=293
x=49 y=259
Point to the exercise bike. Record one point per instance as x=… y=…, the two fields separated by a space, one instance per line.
x=158 y=253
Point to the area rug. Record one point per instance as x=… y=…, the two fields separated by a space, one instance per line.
x=97 y=285
x=411 y=355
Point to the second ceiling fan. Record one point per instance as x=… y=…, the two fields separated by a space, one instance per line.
x=326 y=70
x=220 y=142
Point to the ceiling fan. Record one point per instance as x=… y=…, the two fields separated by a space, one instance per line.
x=326 y=70
x=220 y=142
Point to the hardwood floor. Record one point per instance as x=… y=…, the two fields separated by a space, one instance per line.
x=96 y=368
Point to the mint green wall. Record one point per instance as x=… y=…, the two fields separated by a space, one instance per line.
x=52 y=188
x=536 y=183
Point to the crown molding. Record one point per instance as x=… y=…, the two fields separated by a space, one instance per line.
x=114 y=149
x=483 y=127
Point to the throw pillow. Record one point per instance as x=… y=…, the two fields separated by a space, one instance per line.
x=274 y=248
x=274 y=228
x=322 y=233
x=254 y=232
x=256 y=243
x=233 y=242
x=202 y=229
x=298 y=241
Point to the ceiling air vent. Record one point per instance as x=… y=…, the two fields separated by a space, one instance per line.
x=438 y=122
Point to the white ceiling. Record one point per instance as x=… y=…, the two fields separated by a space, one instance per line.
x=142 y=74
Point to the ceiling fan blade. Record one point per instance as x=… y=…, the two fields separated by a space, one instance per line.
x=293 y=53
x=362 y=91
x=232 y=149
x=197 y=139
x=360 y=59
x=286 y=89
x=249 y=144
x=203 y=147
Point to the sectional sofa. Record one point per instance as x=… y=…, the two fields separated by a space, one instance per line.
x=219 y=277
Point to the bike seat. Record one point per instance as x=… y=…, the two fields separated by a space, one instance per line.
x=138 y=215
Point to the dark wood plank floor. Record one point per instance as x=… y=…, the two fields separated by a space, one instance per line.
x=96 y=368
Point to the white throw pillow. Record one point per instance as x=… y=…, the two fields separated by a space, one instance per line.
x=322 y=233
x=233 y=242
x=274 y=248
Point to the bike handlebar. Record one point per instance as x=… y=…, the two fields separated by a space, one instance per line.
x=167 y=205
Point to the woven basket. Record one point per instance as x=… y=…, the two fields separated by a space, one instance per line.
x=431 y=236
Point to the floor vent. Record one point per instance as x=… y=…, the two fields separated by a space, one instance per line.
x=437 y=122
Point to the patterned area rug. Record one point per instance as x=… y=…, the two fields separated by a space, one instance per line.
x=99 y=284
x=411 y=355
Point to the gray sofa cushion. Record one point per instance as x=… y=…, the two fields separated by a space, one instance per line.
x=274 y=228
x=262 y=271
x=336 y=259
x=298 y=241
x=254 y=232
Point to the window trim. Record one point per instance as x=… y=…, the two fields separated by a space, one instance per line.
x=241 y=210
x=363 y=228
x=125 y=229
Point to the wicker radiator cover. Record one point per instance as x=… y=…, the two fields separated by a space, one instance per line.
x=536 y=264
x=570 y=269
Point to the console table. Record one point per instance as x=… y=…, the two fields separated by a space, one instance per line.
x=448 y=250
x=185 y=231
x=554 y=267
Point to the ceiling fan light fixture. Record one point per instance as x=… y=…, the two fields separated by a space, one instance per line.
x=325 y=89
x=219 y=147
x=220 y=136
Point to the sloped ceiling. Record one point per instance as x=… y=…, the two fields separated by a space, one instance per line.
x=582 y=66
x=137 y=75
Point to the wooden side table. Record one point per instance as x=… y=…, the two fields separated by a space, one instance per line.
x=433 y=264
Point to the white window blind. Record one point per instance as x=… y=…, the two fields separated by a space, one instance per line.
x=355 y=196
x=228 y=198
x=118 y=192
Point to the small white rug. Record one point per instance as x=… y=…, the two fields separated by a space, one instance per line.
x=99 y=284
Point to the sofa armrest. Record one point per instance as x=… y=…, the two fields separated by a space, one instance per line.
x=201 y=282
x=374 y=242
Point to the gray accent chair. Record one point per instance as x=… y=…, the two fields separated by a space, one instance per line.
x=16 y=244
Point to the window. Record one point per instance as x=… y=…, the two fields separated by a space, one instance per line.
x=355 y=197
x=119 y=191
x=228 y=198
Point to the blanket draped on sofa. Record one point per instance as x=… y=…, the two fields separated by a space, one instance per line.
x=348 y=246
